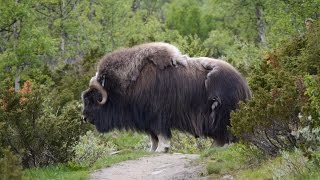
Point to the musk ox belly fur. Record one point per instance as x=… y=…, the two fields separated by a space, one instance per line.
x=153 y=88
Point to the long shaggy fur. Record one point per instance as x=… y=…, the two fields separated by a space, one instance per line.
x=152 y=88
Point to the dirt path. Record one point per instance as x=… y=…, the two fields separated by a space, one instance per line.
x=159 y=167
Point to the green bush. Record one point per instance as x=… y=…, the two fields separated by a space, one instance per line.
x=90 y=148
x=186 y=143
x=10 y=166
x=225 y=160
x=127 y=140
x=291 y=165
x=286 y=98
x=33 y=128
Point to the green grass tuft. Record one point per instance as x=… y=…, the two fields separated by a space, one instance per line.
x=71 y=172
x=229 y=159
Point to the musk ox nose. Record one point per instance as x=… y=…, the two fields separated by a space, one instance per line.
x=84 y=118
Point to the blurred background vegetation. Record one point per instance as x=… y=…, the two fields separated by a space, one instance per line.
x=49 y=50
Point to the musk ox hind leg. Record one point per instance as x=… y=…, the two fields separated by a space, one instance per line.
x=164 y=144
x=154 y=142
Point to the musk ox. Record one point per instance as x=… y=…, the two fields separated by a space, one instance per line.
x=153 y=88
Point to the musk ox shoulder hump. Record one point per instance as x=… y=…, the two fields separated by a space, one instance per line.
x=210 y=63
x=125 y=64
x=162 y=54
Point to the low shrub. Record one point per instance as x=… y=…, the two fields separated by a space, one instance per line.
x=90 y=148
x=222 y=160
x=10 y=166
x=292 y=165
x=286 y=100
x=186 y=143
x=33 y=129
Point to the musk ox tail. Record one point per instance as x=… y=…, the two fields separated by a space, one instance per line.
x=225 y=87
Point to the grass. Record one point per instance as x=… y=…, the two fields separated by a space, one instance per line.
x=245 y=163
x=55 y=172
x=237 y=160
x=261 y=171
x=292 y=166
x=70 y=172
x=229 y=160
x=123 y=156
x=129 y=144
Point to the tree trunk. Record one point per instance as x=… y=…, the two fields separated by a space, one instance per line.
x=17 y=83
x=15 y=41
x=261 y=38
x=62 y=30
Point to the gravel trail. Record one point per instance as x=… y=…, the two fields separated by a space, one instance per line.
x=158 y=167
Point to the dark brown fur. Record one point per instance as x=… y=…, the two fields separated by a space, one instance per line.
x=158 y=89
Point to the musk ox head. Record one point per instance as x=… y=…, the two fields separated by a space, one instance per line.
x=93 y=99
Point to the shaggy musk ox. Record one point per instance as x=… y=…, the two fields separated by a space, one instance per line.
x=152 y=88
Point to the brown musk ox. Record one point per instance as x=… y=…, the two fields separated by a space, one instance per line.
x=153 y=88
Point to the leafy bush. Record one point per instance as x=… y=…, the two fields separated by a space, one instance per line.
x=93 y=147
x=90 y=148
x=33 y=129
x=185 y=143
x=127 y=140
x=191 y=45
x=10 y=166
x=285 y=88
x=268 y=118
x=292 y=165
x=222 y=160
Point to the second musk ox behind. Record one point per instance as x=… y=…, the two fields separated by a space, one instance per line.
x=153 y=88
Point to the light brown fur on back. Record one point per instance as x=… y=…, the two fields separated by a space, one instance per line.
x=126 y=64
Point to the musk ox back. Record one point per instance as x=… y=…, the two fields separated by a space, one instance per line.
x=153 y=88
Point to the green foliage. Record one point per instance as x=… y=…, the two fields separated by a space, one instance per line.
x=187 y=18
x=10 y=167
x=94 y=149
x=63 y=130
x=32 y=128
x=191 y=45
x=121 y=156
x=292 y=165
x=312 y=91
x=74 y=172
x=90 y=148
x=185 y=143
x=55 y=45
x=218 y=43
x=127 y=140
x=229 y=159
x=58 y=171
x=283 y=90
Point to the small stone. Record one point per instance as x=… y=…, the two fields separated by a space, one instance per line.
x=227 y=177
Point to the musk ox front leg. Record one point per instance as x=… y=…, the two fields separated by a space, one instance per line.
x=154 y=142
x=164 y=144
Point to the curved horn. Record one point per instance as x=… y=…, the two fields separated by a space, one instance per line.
x=96 y=85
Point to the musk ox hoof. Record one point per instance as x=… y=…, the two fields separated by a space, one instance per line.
x=163 y=144
x=162 y=149
x=152 y=149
